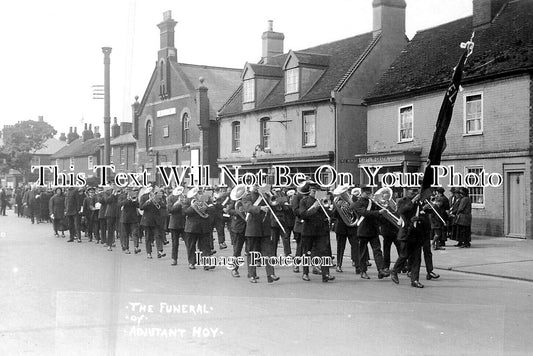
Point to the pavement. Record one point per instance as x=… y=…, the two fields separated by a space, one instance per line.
x=490 y=256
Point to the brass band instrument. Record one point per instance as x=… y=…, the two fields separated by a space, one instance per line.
x=199 y=206
x=383 y=199
x=154 y=201
x=271 y=211
x=324 y=208
x=342 y=204
x=436 y=212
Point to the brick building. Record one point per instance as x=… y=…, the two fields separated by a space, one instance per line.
x=123 y=147
x=492 y=123
x=175 y=122
x=80 y=155
x=304 y=108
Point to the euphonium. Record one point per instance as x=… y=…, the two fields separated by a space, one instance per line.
x=383 y=199
x=342 y=204
x=200 y=207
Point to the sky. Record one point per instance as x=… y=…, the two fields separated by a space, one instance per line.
x=51 y=50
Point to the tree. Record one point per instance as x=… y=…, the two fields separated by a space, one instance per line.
x=20 y=141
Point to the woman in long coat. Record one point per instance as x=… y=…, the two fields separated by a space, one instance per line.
x=57 y=211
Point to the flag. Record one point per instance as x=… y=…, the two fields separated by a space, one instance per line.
x=438 y=144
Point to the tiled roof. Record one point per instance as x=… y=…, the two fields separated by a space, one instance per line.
x=220 y=82
x=124 y=139
x=78 y=148
x=266 y=70
x=339 y=55
x=50 y=146
x=502 y=47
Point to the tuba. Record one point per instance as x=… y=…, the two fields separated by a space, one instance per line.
x=383 y=199
x=236 y=195
x=200 y=207
x=341 y=202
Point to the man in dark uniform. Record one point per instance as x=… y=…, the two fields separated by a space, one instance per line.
x=344 y=232
x=111 y=215
x=410 y=237
x=150 y=220
x=72 y=210
x=129 y=221
x=220 y=200
x=279 y=206
x=102 y=223
x=315 y=230
x=368 y=232
x=258 y=233
x=238 y=225
x=298 y=224
x=88 y=211
x=176 y=222
x=197 y=227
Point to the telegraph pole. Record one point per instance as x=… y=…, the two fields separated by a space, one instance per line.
x=107 y=114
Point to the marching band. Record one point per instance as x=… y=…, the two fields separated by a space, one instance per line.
x=259 y=219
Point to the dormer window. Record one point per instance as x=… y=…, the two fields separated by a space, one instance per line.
x=248 y=91
x=292 y=81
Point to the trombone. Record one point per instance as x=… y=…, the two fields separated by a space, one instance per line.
x=271 y=211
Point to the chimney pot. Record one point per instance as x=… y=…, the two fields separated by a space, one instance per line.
x=270 y=25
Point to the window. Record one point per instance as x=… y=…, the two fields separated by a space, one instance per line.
x=185 y=122
x=57 y=163
x=36 y=161
x=248 y=91
x=291 y=81
x=165 y=131
x=162 y=70
x=90 y=162
x=112 y=152
x=406 y=124
x=308 y=129
x=148 y=134
x=122 y=155
x=236 y=136
x=72 y=162
x=473 y=114
x=477 y=194
x=265 y=133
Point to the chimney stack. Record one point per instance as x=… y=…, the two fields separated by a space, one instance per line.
x=272 y=43
x=389 y=17
x=115 y=129
x=135 y=117
x=40 y=118
x=63 y=137
x=484 y=11
x=97 y=132
x=166 y=42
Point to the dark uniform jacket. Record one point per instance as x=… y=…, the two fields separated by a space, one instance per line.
x=340 y=227
x=258 y=222
x=57 y=206
x=100 y=198
x=194 y=223
x=177 y=218
x=88 y=208
x=415 y=228
x=128 y=211
x=238 y=222
x=295 y=204
x=369 y=227
x=315 y=220
x=151 y=215
x=111 y=210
